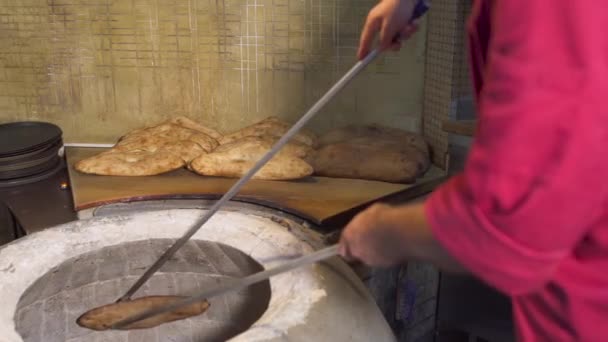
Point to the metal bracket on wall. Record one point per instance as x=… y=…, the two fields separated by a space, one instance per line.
x=460 y=127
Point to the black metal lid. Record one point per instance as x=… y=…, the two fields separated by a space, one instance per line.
x=21 y=137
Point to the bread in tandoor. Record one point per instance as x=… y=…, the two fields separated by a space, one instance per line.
x=104 y=317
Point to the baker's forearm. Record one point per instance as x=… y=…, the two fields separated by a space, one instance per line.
x=415 y=235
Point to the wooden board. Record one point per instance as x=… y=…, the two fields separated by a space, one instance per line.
x=316 y=198
x=460 y=127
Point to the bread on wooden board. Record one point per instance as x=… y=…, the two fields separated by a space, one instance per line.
x=130 y=163
x=371 y=152
x=185 y=121
x=271 y=126
x=292 y=148
x=372 y=131
x=166 y=132
x=185 y=149
x=360 y=161
x=153 y=150
x=238 y=158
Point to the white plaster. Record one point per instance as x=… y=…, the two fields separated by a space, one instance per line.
x=292 y=297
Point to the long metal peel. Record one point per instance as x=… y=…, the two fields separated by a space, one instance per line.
x=354 y=71
x=233 y=285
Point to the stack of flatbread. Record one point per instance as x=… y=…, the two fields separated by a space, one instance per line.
x=181 y=142
x=371 y=152
x=239 y=151
x=165 y=147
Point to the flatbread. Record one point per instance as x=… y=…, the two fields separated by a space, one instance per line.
x=239 y=157
x=270 y=127
x=279 y=168
x=104 y=317
x=185 y=149
x=371 y=152
x=165 y=133
x=374 y=132
x=364 y=161
x=191 y=124
x=131 y=163
x=292 y=148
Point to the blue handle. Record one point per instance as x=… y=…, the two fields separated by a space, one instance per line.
x=421 y=8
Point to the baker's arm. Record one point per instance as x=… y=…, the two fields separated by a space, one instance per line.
x=534 y=183
x=385 y=235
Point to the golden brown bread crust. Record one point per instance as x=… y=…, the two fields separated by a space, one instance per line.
x=191 y=124
x=237 y=158
x=156 y=149
x=185 y=149
x=130 y=163
x=270 y=127
x=153 y=150
x=279 y=168
x=104 y=317
x=292 y=148
x=164 y=133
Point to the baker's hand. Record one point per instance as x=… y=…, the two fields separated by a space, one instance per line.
x=372 y=237
x=392 y=19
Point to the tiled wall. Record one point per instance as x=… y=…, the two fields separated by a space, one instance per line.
x=447 y=75
x=100 y=67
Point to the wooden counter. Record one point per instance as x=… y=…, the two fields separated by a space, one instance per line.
x=318 y=199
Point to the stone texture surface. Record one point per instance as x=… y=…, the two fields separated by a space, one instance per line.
x=49 y=308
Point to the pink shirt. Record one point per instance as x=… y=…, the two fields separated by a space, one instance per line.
x=529 y=214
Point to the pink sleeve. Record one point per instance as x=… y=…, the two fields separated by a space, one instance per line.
x=535 y=181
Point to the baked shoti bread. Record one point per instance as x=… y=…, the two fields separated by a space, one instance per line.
x=269 y=127
x=292 y=148
x=130 y=163
x=371 y=152
x=165 y=133
x=153 y=150
x=237 y=158
x=189 y=123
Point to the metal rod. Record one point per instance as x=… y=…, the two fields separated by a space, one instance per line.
x=233 y=285
x=354 y=71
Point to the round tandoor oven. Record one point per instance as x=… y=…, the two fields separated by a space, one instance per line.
x=100 y=277
x=49 y=278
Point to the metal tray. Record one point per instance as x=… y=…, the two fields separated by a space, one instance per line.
x=30 y=163
x=22 y=137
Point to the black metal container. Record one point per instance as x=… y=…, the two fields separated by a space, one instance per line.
x=29 y=152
